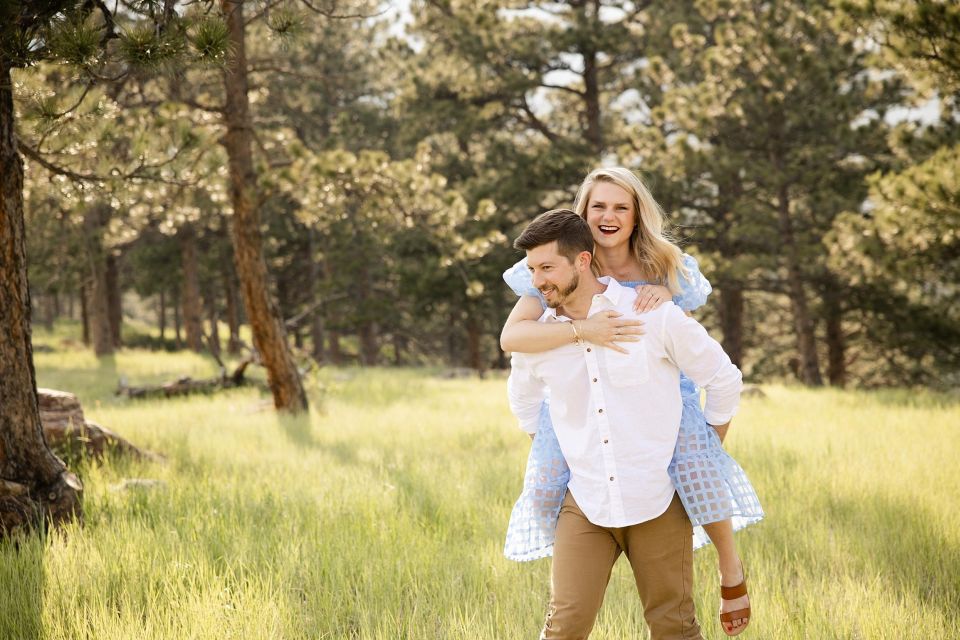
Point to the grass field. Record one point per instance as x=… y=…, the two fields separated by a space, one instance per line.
x=382 y=516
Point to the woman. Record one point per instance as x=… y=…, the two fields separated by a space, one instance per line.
x=627 y=226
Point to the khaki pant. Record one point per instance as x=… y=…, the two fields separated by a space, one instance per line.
x=660 y=552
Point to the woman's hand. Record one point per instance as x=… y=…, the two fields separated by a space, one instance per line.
x=606 y=328
x=650 y=296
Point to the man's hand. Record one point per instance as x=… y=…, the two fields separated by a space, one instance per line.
x=606 y=328
x=721 y=429
x=650 y=296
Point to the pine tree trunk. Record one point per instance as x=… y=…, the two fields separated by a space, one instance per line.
x=591 y=83
x=162 y=315
x=316 y=316
x=803 y=320
x=399 y=348
x=85 y=315
x=268 y=332
x=230 y=294
x=473 y=343
x=233 y=312
x=213 y=315
x=114 y=301
x=336 y=353
x=94 y=220
x=177 y=341
x=190 y=296
x=48 y=313
x=731 y=320
x=836 y=340
x=369 y=345
x=34 y=483
x=367 y=332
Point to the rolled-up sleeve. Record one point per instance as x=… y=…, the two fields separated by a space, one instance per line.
x=705 y=362
x=525 y=392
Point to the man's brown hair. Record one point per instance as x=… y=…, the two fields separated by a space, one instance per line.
x=570 y=231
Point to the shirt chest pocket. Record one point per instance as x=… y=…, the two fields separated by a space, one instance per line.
x=628 y=369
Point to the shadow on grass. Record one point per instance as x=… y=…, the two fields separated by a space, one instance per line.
x=21 y=586
x=299 y=429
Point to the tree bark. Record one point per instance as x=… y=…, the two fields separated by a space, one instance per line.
x=473 y=343
x=233 y=313
x=316 y=316
x=367 y=332
x=803 y=320
x=190 y=296
x=336 y=353
x=836 y=340
x=213 y=315
x=591 y=83
x=267 y=326
x=114 y=300
x=85 y=315
x=177 y=341
x=731 y=320
x=94 y=220
x=162 y=314
x=34 y=483
x=229 y=279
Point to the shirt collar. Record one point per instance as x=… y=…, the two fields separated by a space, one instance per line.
x=612 y=294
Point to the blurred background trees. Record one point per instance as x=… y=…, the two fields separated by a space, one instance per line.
x=806 y=153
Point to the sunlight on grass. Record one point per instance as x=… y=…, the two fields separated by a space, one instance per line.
x=382 y=513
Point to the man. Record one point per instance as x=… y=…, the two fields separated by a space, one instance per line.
x=616 y=417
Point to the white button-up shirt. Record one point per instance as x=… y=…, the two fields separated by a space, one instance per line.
x=617 y=416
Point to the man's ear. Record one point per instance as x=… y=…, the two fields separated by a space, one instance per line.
x=583 y=260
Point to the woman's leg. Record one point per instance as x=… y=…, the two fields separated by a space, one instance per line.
x=731 y=570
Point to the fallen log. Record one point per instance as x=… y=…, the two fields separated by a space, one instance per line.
x=68 y=432
x=186 y=385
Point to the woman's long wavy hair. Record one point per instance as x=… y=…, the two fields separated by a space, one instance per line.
x=650 y=242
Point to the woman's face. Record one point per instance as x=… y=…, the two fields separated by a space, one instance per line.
x=610 y=215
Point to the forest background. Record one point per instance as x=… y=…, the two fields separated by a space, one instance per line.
x=805 y=152
x=305 y=183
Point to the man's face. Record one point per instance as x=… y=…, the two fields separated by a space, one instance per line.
x=553 y=274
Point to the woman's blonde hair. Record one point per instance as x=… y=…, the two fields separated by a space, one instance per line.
x=650 y=243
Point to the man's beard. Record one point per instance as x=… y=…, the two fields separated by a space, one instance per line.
x=562 y=293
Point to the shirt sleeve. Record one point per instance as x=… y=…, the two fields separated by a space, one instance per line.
x=525 y=392
x=705 y=362
x=518 y=278
x=694 y=287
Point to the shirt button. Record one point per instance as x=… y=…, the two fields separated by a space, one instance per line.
x=601 y=410
x=611 y=478
x=594 y=379
x=588 y=349
x=605 y=441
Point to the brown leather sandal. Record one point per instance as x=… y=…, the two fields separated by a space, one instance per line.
x=732 y=593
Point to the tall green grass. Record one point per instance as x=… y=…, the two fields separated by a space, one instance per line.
x=382 y=514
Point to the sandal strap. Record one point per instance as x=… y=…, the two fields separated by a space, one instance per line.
x=730 y=616
x=736 y=591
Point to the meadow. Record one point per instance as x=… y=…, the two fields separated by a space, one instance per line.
x=381 y=515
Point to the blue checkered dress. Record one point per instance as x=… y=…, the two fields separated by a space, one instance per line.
x=711 y=485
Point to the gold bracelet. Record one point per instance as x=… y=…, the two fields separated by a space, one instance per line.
x=577 y=339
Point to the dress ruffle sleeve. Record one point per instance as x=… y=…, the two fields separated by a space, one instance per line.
x=693 y=289
x=518 y=278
